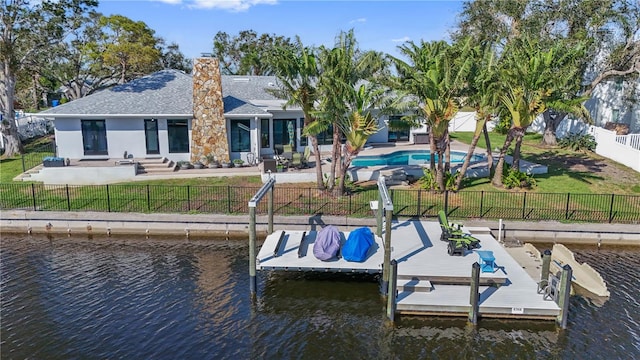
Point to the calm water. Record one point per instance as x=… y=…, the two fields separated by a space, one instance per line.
x=408 y=157
x=66 y=298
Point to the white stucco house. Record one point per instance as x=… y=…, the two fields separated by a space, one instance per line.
x=153 y=116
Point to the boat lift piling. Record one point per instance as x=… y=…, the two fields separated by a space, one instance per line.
x=385 y=203
x=474 y=296
x=267 y=188
x=565 y=293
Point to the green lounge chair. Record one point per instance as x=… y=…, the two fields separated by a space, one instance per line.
x=458 y=240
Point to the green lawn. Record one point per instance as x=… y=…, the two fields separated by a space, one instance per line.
x=569 y=171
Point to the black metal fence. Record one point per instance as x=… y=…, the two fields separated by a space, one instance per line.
x=611 y=208
x=34 y=157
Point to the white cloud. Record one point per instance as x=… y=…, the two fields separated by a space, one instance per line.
x=172 y=2
x=231 y=5
x=402 y=39
x=358 y=20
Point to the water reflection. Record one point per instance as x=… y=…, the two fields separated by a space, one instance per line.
x=123 y=297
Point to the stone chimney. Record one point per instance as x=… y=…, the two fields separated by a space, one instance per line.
x=208 y=128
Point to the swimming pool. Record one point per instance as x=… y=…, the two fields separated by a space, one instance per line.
x=407 y=157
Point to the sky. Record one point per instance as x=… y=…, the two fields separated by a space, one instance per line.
x=378 y=25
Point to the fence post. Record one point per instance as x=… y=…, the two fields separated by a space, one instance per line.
x=33 y=196
x=108 y=199
x=68 y=200
x=524 y=205
x=24 y=168
x=309 y=209
x=350 y=198
x=566 y=210
x=613 y=196
x=481 y=203
x=189 y=197
x=229 y=199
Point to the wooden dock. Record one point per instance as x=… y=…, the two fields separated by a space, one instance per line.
x=430 y=282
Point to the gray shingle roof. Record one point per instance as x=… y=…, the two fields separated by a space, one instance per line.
x=170 y=92
x=163 y=92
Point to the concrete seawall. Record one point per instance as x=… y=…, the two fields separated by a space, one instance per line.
x=216 y=225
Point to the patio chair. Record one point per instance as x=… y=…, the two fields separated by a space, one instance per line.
x=458 y=240
x=296 y=160
x=305 y=157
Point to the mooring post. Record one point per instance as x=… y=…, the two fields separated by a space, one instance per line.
x=252 y=251
x=270 y=210
x=379 y=216
x=565 y=293
x=392 y=291
x=544 y=273
x=387 y=251
x=474 y=299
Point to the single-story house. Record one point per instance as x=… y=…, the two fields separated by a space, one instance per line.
x=186 y=117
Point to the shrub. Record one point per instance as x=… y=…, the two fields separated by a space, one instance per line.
x=578 y=142
x=512 y=178
x=428 y=181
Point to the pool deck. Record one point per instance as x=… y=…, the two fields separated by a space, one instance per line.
x=430 y=282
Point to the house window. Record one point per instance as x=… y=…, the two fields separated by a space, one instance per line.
x=94 y=137
x=615 y=115
x=264 y=133
x=151 y=136
x=178 y=133
x=284 y=132
x=398 y=130
x=240 y=136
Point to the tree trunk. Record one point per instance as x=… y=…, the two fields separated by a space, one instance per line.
x=487 y=142
x=497 y=176
x=12 y=143
x=440 y=171
x=467 y=161
x=335 y=157
x=432 y=152
x=34 y=94
x=551 y=123
x=515 y=164
x=318 y=157
x=447 y=153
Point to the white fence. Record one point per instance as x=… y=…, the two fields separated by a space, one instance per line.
x=624 y=149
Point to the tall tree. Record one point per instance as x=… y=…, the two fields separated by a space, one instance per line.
x=173 y=58
x=482 y=94
x=247 y=53
x=28 y=29
x=607 y=29
x=128 y=47
x=297 y=71
x=343 y=67
x=527 y=72
x=436 y=77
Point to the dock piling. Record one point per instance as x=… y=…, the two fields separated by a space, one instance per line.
x=544 y=273
x=392 y=290
x=252 y=251
x=565 y=293
x=474 y=294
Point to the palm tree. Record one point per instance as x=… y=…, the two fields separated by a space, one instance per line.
x=343 y=67
x=436 y=78
x=482 y=94
x=297 y=71
x=358 y=125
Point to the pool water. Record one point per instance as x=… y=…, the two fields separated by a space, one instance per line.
x=408 y=157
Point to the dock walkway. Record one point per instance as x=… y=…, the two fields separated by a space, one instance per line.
x=430 y=282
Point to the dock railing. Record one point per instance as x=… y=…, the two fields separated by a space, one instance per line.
x=407 y=203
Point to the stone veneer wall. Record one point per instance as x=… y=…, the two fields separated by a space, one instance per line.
x=208 y=128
